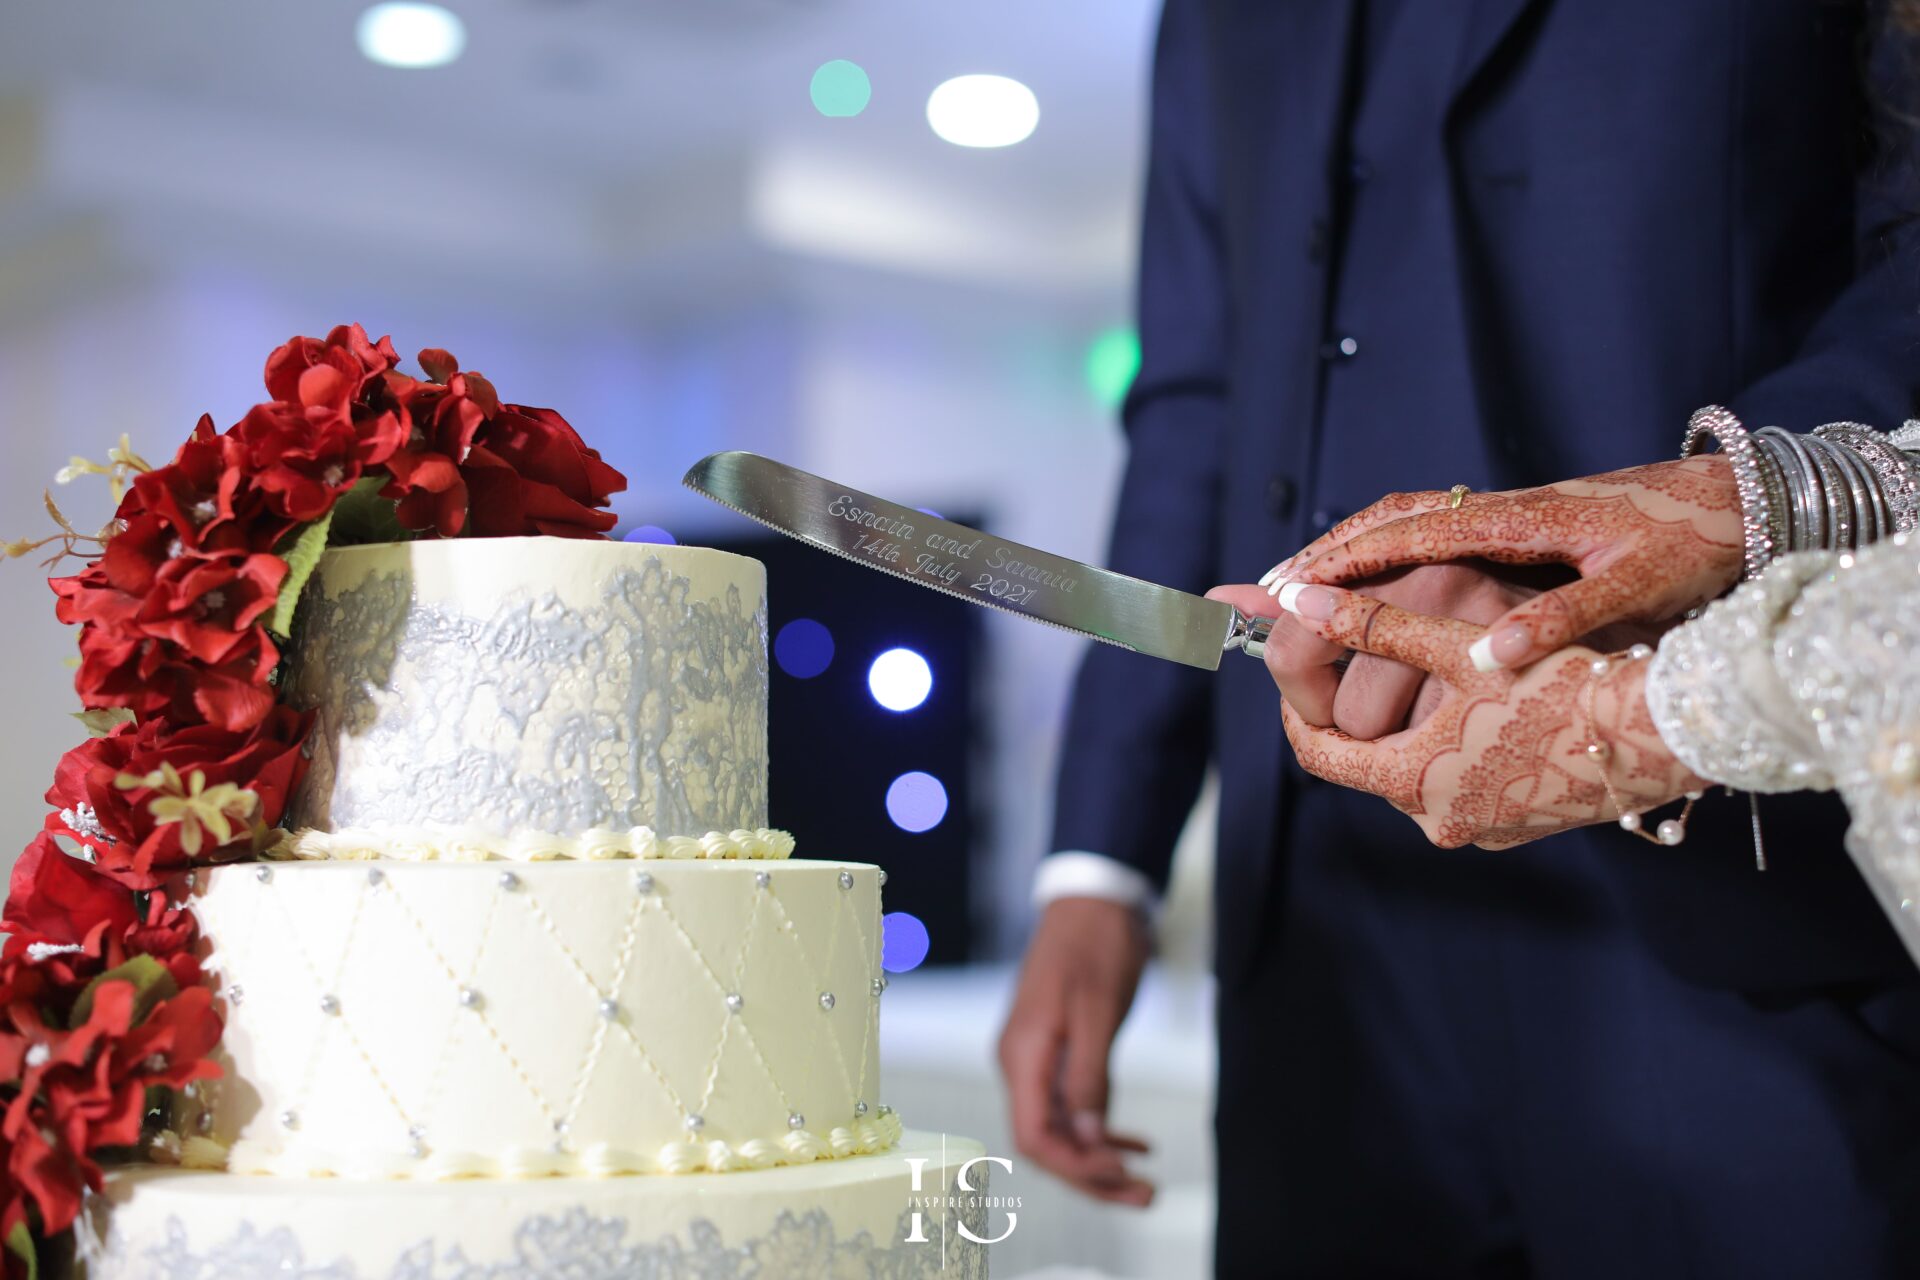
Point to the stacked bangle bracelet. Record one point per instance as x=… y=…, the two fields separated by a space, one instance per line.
x=1838 y=488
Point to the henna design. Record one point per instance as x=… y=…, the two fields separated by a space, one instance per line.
x=1503 y=760
x=1649 y=543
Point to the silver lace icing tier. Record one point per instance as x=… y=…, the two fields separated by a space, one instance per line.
x=928 y=1211
x=533 y=686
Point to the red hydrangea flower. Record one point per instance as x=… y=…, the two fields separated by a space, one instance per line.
x=183 y=642
x=206 y=606
x=84 y=1090
x=206 y=498
x=120 y=667
x=130 y=843
x=68 y=923
x=303 y=459
x=346 y=351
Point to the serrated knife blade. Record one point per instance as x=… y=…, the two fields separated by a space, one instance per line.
x=978 y=567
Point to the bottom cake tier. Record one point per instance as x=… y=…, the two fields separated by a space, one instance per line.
x=844 y=1219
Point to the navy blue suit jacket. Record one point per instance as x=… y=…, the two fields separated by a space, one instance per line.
x=1634 y=208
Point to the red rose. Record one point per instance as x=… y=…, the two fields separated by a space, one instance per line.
x=474 y=465
x=129 y=841
x=531 y=473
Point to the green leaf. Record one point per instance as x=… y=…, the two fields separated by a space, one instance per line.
x=362 y=516
x=20 y=1244
x=102 y=721
x=151 y=984
x=301 y=550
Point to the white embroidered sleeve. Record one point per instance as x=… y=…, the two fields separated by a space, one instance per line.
x=1809 y=678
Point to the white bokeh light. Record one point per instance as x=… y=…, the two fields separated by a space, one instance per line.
x=983 y=111
x=900 y=679
x=411 y=35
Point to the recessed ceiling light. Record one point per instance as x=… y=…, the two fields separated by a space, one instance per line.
x=983 y=111
x=406 y=34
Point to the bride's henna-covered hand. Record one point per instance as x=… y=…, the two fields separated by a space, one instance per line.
x=1649 y=543
x=1504 y=758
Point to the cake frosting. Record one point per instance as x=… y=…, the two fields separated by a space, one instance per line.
x=487 y=697
x=529 y=987
x=440 y=1020
x=849 y=1220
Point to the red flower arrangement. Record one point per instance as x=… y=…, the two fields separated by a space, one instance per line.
x=182 y=611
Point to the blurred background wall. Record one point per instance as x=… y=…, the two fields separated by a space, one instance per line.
x=636 y=212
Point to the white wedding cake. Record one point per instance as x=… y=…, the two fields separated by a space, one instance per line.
x=532 y=989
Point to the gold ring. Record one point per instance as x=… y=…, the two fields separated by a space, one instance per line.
x=1456 y=496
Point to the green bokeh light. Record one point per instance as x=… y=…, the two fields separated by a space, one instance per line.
x=841 y=88
x=1112 y=361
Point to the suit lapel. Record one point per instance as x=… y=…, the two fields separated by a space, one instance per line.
x=1488 y=26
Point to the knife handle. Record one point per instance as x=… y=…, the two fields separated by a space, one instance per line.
x=1249 y=635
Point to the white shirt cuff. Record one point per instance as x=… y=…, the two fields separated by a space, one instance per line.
x=1077 y=874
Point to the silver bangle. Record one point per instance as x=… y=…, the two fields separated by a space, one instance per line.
x=1841 y=511
x=1810 y=503
x=1869 y=508
x=1787 y=476
x=1749 y=479
x=1896 y=474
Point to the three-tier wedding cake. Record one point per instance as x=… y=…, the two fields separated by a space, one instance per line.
x=530 y=989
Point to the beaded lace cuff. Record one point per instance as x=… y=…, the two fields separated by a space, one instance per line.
x=1806 y=679
x=432 y=842
x=1716 y=693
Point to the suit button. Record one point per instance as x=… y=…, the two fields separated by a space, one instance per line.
x=1345 y=347
x=1319 y=239
x=1282 y=493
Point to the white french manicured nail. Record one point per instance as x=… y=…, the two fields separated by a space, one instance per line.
x=1481 y=651
x=1288 y=593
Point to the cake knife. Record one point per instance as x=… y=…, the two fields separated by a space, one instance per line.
x=979 y=567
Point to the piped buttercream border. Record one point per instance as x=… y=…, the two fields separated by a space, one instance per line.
x=436 y=842
x=866 y=1136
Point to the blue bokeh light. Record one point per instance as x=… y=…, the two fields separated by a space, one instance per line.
x=903 y=942
x=651 y=533
x=803 y=648
x=900 y=679
x=916 y=801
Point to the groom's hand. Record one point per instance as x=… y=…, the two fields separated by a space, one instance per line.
x=1376 y=696
x=1082 y=968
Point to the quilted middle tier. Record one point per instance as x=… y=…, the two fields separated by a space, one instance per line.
x=458 y=1019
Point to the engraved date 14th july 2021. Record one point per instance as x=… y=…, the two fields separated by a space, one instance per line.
x=1007 y=579
x=925 y=565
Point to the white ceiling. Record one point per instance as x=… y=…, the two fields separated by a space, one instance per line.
x=576 y=138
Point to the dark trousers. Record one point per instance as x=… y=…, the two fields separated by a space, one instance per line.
x=1466 y=1064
